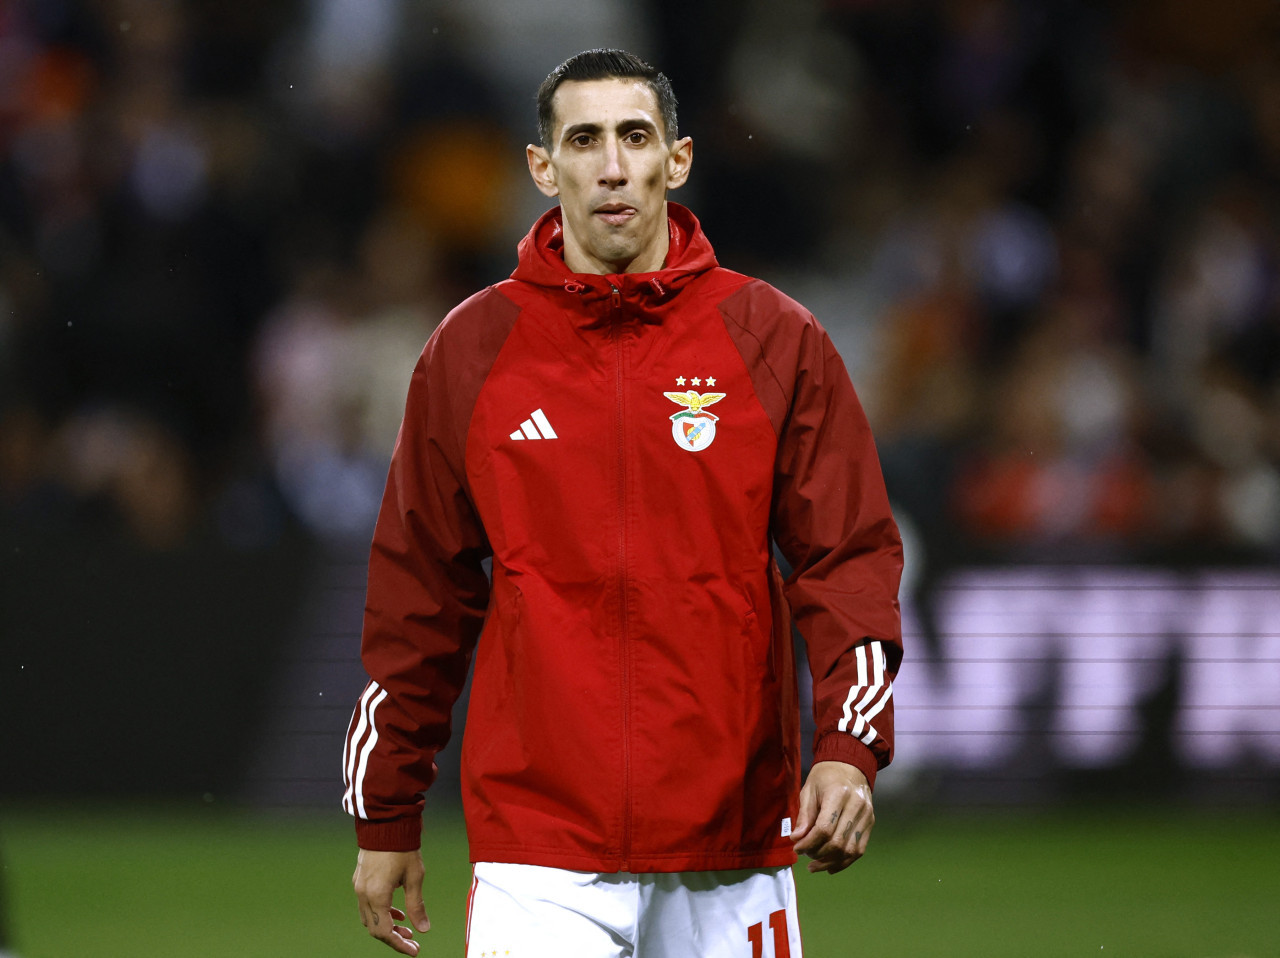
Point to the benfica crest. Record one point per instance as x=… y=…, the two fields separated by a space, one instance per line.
x=693 y=429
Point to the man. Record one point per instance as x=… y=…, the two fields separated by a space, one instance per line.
x=625 y=428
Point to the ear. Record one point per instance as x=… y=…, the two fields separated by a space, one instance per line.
x=542 y=171
x=679 y=162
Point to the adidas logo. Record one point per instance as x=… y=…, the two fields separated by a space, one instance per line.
x=535 y=427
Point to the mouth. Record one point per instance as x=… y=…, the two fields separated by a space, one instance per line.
x=615 y=214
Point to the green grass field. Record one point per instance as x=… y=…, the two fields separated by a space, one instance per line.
x=134 y=884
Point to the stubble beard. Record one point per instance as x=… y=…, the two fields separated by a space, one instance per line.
x=617 y=247
x=619 y=251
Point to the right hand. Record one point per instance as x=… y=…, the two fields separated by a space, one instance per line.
x=377 y=875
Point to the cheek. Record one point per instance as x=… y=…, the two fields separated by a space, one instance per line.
x=572 y=191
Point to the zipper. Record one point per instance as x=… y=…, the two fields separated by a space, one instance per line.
x=623 y=643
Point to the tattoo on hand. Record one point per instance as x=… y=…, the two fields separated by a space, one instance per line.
x=375 y=917
x=847 y=829
x=835 y=817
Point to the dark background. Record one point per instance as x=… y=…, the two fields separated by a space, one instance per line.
x=1043 y=234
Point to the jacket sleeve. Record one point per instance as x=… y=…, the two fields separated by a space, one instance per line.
x=832 y=522
x=426 y=601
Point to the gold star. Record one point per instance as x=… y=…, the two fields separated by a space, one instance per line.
x=710 y=381
x=696 y=381
x=679 y=380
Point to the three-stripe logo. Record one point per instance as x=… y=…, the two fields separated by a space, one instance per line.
x=536 y=426
x=868 y=697
x=358 y=748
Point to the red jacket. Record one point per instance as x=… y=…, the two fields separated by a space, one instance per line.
x=625 y=447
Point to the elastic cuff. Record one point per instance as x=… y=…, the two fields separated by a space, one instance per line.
x=841 y=747
x=396 y=835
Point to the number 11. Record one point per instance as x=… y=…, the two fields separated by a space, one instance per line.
x=781 y=943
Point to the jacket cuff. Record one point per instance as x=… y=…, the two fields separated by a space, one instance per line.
x=842 y=747
x=396 y=835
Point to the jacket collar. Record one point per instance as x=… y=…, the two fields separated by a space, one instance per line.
x=641 y=294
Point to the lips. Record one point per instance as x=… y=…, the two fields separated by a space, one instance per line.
x=615 y=214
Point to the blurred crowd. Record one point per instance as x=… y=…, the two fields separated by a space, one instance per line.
x=1044 y=233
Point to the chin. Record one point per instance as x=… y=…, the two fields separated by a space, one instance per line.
x=616 y=252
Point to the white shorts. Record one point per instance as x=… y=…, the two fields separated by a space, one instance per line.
x=530 y=911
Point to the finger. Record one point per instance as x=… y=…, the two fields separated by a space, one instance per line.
x=848 y=838
x=400 y=941
x=831 y=858
x=403 y=931
x=808 y=812
x=859 y=828
x=865 y=826
x=396 y=937
x=402 y=936
x=413 y=903
x=855 y=829
x=368 y=915
x=832 y=865
x=849 y=842
x=825 y=820
x=833 y=855
x=377 y=918
x=831 y=868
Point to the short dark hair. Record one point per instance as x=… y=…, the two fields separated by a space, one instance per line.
x=602 y=64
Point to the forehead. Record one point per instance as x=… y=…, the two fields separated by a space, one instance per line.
x=604 y=102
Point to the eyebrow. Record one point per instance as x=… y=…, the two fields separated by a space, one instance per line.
x=624 y=126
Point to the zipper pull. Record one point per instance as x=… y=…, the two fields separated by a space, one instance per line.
x=617 y=296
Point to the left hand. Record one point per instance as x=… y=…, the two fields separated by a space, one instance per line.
x=836 y=817
x=377 y=876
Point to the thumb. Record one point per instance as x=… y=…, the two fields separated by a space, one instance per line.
x=413 y=904
x=808 y=812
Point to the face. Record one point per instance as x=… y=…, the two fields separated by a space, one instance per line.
x=611 y=168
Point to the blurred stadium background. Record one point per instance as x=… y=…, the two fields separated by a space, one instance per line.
x=1045 y=236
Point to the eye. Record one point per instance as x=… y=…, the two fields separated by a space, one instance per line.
x=582 y=139
x=636 y=137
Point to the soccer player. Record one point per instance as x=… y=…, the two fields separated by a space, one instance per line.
x=626 y=428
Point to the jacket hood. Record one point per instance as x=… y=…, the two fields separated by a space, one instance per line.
x=542 y=261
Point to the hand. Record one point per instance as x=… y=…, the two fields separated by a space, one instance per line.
x=836 y=817
x=377 y=875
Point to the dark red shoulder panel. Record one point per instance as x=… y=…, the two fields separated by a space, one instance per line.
x=427 y=592
x=457 y=361
x=766 y=326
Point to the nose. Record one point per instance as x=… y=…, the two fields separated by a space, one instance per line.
x=613 y=175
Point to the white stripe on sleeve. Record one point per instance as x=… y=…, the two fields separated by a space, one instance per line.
x=860 y=653
x=868 y=696
x=349 y=755
x=366 y=752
